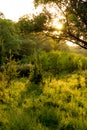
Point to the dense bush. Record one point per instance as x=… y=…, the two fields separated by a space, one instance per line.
x=55 y=105
x=24 y=70
x=9 y=71
x=57 y=62
x=36 y=73
x=49 y=118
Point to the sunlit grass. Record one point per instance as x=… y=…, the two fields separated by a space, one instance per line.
x=56 y=104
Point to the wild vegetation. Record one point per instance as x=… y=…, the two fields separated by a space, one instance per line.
x=52 y=96
x=43 y=81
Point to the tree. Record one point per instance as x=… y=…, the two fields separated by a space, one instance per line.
x=27 y=47
x=36 y=24
x=74 y=14
x=2 y=15
x=25 y=25
x=9 y=38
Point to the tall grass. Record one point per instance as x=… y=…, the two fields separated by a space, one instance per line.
x=56 y=105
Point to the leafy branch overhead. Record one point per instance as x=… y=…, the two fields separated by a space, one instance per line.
x=34 y=24
x=74 y=20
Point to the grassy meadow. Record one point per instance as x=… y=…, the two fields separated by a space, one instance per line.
x=52 y=97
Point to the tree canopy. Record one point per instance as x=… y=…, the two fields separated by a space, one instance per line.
x=74 y=20
x=9 y=38
x=34 y=24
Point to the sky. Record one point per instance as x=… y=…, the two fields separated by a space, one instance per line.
x=13 y=9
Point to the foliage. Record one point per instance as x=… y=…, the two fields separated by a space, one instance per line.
x=43 y=42
x=74 y=20
x=27 y=47
x=9 y=39
x=49 y=118
x=57 y=62
x=36 y=75
x=24 y=70
x=37 y=23
x=2 y=15
x=60 y=105
x=44 y=90
x=78 y=50
x=10 y=70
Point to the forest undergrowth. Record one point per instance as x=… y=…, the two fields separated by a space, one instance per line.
x=54 y=102
x=57 y=104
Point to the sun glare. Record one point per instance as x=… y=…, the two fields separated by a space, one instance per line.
x=59 y=26
x=70 y=43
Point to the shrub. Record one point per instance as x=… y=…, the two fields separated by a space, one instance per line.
x=24 y=70
x=69 y=126
x=49 y=118
x=9 y=70
x=57 y=62
x=36 y=75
